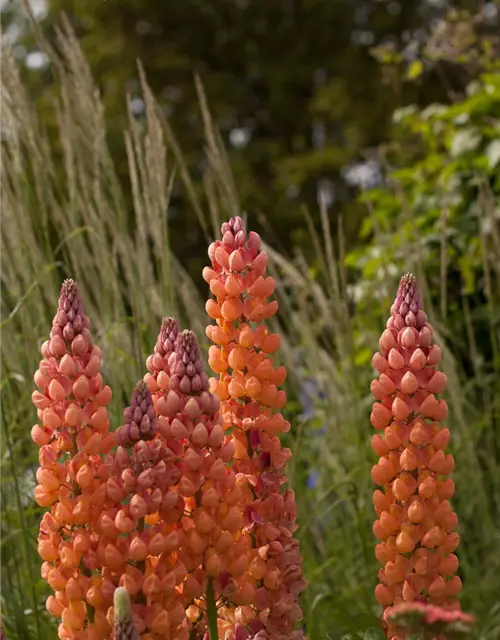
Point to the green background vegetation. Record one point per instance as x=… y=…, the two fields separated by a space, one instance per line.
x=119 y=176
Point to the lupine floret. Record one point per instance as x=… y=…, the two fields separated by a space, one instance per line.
x=73 y=434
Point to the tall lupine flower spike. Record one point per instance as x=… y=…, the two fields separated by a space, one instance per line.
x=213 y=524
x=415 y=520
x=138 y=547
x=124 y=626
x=248 y=386
x=72 y=433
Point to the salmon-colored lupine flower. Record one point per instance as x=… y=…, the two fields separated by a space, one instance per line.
x=203 y=488
x=190 y=424
x=248 y=386
x=214 y=540
x=72 y=433
x=139 y=555
x=124 y=626
x=430 y=620
x=415 y=520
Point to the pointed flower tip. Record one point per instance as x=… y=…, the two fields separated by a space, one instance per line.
x=169 y=327
x=139 y=420
x=141 y=396
x=241 y=247
x=70 y=295
x=407 y=284
x=233 y=225
x=69 y=288
x=121 y=601
x=141 y=388
x=188 y=375
x=407 y=309
x=70 y=320
x=186 y=342
x=125 y=628
x=165 y=342
x=408 y=279
x=235 y=236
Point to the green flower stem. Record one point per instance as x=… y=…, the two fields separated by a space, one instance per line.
x=211 y=611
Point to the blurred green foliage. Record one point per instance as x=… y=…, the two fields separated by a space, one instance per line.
x=442 y=187
x=448 y=197
x=292 y=86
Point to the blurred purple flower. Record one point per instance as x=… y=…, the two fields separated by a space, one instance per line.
x=312 y=480
x=309 y=396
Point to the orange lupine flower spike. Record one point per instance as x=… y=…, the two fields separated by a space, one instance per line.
x=215 y=544
x=72 y=434
x=415 y=522
x=139 y=556
x=248 y=386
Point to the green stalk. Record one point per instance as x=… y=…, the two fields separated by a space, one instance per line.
x=24 y=526
x=211 y=611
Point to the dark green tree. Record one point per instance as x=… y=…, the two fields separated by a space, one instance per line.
x=293 y=88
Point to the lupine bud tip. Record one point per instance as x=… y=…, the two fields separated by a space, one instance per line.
x=125 y=628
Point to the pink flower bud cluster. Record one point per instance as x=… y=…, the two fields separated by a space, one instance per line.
x=139 y=419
